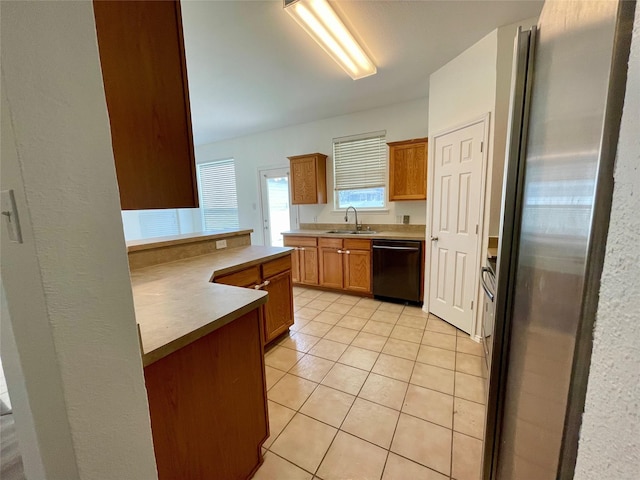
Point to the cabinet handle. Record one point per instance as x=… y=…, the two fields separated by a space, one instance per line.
x=340 y=251
x=263 y=284
x=348 y=252
x=301 y=248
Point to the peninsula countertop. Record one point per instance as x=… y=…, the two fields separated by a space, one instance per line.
x=176 y=303
x=391 y=235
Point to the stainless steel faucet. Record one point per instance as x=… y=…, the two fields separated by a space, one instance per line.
x=346 y=217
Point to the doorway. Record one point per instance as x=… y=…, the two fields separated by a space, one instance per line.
x=456 y=223
x=277 y=214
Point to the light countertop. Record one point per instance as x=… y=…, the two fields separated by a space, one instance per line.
x=177 y=304
x=370 y=236
x=149 y=243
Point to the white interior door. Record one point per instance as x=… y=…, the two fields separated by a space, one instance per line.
x=277 y=213
x=455 y=219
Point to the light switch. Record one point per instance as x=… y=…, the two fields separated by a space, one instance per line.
x=10 y=215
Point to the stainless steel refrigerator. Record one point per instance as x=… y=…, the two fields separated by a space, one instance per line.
x=566 y=103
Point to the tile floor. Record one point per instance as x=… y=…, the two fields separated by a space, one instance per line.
x=363 y=389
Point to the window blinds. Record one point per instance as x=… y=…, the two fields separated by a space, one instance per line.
x=360 y=161
x=218 y=196
x=158 y=223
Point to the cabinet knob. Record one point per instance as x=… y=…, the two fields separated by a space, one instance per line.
x=301 y=248
x=340 y=251
x=348 y=252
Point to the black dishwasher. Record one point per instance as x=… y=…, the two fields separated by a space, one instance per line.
x=396 y=270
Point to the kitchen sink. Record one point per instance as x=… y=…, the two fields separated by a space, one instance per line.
x=352 y=232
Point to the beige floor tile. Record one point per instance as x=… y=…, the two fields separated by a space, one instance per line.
x=467 y=457
x=371 y=422
x=407 y=333
x=360 y=312
x=348 y=300
x=310 y=293
x=384 y=390
x=299 y=341
x=415 y=312
x=279 y=416
x=328 y=349
x=378 y=328
x=318 y=304
x=275 y=467
x=341 y=335
x=439 y=340
x=390 y=307
x=436 y=325
x=369 y=341
x=369 y=303
x=435 y=407
x=470 y=387
x=307 y=313
x=328 y=405
x=317 y=329
x=437 y=356
x=401 y=348
x=299 y=302
x=435 y=378
x=468 y=418
x=273 y=375
x=282 y=358
x=398 y=468
x=352 y=458
x=329 y=296
x=312 y=368
x=466 y=345
x=304 y=442
x=412 y=322
x=298 y=323
x=471 y=364
x=354 y=323
x=344 y=378
x=423 y=442
x=338 y=308
x=291 y=391
x=328 y=317
x=359 y=358
x=394 y=367
x=385 y=317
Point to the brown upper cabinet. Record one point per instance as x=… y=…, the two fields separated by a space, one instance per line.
x=408 y=170
x=145 y=82
x=308 y=179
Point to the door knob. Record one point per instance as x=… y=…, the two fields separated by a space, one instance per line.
x=434 y=239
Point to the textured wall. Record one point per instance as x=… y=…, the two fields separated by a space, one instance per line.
x=610 y=436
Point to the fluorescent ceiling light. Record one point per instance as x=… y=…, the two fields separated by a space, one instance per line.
x=320 y=21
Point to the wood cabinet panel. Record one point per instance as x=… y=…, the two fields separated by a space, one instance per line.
x=408 y=170
x=331 y=269
x=295 y=266
x=330 y=242
x=279 y=307
x=309 y=265
x=300 y=241
x=356 y=244
x=308 y=179
x=207 y=403
x=357 y=271
x=276 y=266
x=244 y=278
x=145 y=81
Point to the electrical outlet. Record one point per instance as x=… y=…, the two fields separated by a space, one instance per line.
x=315 y=219
x=221 y=244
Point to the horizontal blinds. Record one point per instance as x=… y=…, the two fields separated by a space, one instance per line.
x=218 y=195
x=158 y=223
x=359 y=162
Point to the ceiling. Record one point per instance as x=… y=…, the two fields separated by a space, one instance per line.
x=251 y=68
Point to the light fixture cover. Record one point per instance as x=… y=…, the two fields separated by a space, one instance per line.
x=323 y=25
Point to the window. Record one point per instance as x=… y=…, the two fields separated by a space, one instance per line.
x=218 y=196
x=158 y=223
x=359 y=171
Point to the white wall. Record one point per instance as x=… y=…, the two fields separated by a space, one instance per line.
x=610 y=433
x=271 y=149
x=67 y=286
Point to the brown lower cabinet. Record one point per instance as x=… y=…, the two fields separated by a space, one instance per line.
x=207 y=403
x=275 y=278
x=345 y=264
x=304 y=259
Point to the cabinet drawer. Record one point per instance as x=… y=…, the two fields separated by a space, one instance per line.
x=359 y=244
x=274 y=267
x=300 y=241
x=244 y=278
x=330 y=242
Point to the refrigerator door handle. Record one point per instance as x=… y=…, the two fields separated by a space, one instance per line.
x=485 y=287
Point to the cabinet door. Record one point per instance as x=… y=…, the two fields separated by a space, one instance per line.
x=296 y=265
x=145 y=82
x=279 y=306
x=357 y=270
x=331 y=267
x=408 y=170
x=309 y=265
x=303 y=181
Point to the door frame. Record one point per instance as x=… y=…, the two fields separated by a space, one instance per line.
x=294 y=212
x=481 y=243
